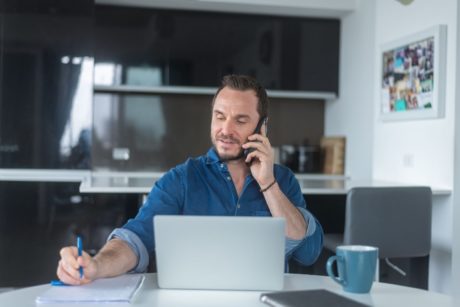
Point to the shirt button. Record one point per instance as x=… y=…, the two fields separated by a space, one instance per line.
x=222 y=165
x=229 y=178
x=238 y=206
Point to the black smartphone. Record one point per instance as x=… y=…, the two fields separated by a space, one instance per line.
x=262 y=121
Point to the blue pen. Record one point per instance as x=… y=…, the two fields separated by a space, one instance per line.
x=80 y=250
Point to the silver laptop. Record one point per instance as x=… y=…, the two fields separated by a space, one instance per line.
x=219 y=252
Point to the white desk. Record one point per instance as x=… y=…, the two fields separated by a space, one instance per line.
x=149 y=295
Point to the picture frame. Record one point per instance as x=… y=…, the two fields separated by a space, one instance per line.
x=412 y=76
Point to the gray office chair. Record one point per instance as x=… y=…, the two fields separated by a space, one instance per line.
x=395 y=219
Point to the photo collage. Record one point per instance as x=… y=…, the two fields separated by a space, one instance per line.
x=407 y=77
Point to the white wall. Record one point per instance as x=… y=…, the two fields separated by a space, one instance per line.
x=378 y=149
x=456 y=194
x=429 y=144
x=351 y=114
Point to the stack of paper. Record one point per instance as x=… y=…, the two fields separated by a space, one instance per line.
x=119 y=289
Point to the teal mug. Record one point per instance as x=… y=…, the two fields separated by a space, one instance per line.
x=356 y=266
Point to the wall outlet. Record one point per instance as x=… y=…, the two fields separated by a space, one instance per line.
x=408 y=160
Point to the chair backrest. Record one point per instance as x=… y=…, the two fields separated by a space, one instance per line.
x=395 y=219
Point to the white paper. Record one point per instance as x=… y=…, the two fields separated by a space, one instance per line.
x=119 y=289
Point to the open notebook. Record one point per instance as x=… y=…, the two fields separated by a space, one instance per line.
x=119 y=289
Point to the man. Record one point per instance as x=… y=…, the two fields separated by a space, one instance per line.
x=223 y=182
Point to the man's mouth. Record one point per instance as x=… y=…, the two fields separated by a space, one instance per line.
x=228 y=141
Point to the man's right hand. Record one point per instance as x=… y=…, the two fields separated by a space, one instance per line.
x=69 y=264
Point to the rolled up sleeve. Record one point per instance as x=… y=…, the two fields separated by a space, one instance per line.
x=136 y=245
x=307 y=250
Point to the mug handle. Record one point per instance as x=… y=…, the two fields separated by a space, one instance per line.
x=329 y=264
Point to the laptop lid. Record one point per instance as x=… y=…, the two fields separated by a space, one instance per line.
x=219 y=252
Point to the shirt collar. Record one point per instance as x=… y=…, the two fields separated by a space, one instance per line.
x=211 y=156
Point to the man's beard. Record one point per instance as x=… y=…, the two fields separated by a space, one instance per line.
x=226 y=157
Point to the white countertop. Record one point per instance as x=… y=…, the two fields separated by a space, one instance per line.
x=142 y=182
x=43 y=175
x=119 y=182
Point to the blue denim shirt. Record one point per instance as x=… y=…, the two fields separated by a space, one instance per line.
x=203 y=186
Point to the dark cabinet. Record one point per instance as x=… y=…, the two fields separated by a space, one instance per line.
x=38 y=218
x=157 y=47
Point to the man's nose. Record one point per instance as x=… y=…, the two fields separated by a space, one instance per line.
x=227 y=127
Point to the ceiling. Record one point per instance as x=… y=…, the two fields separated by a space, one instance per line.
x=307 y=8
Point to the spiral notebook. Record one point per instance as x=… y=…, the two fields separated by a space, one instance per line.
x=119 y=289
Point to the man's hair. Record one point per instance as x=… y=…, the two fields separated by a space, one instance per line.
x=243 y=83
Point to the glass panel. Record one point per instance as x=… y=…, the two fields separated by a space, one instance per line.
x=46 y=84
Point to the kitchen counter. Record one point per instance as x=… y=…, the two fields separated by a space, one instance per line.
x=124 y=182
